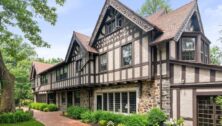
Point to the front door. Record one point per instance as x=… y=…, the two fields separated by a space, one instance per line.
x=208 y=112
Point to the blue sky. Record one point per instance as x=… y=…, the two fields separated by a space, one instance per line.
x=81 y=16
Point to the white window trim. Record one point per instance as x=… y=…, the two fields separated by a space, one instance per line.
x=101 y=91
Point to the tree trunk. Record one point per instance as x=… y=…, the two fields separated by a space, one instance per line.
x=7 y=92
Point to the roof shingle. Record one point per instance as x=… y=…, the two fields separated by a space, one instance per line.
x=170 y=22
x=40 y=67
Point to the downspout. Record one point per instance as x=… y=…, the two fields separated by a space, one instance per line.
x=160 y=70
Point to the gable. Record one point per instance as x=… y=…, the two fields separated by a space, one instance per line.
x=193 y=23
x=124 y=11
x=79 y=44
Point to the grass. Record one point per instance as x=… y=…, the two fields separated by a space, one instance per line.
x=27 y=123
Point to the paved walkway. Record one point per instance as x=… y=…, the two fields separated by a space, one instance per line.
x=55 y=119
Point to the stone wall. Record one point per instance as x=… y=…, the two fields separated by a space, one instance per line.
x=149 y=97
x=165 y=94
x=86 y=98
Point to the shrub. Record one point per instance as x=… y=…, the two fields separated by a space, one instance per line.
x=43 y=106
x=121 y=124
x=156 y=116
x=135 y=120
x=26 y=102
x=76 y=111
x=52 y=107
x=87 y=117
x=18 y=116
x=45 y=109
x=102 y=123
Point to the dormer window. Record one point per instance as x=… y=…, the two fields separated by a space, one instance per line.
x=188 y=48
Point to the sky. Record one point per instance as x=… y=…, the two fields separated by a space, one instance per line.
x=82 y=15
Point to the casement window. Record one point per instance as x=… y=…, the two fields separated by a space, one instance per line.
x=188 y=48
x=103 y=62
x=77 y=98
x=204 y=52
x=78 y=65
x=127 y=55
x=110 y=27
x=62 y=73
x=44 y=79
x=120 y=102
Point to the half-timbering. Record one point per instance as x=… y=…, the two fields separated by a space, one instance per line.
x=132 y=63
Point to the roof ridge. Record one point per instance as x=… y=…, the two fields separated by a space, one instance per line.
x=181 y=7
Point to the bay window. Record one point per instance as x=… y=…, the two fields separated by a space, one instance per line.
x=127 y=55
x=120 y=102
x=103 y=62
x=188 y=48
x=204 y=52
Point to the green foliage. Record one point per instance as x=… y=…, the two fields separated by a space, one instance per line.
x=31 y=122
x=103 y=117
x=216 y=55
x=219 y=100
x=52 y=107
x=175 y=122
x=152 y=6
x=26 y=102
x=76 y=111
x=136 y=120
x=18 y=116
x=23 y=15
x=49 y=61
x=43 y=107
x=156 y=116
x=102 y=123
x=87 y=117
x=121 y=124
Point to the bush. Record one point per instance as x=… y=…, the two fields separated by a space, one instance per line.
x=135 y=120
x=18 y=116
x=87 y=117
x=156 y=116
x=43 y=107
x=76 y=111
x=26 y=102
x=52 y=107
x=102 y=123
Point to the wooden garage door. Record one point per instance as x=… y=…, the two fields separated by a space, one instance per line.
x=208 y=113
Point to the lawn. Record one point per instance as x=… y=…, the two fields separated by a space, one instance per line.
x=27 y=123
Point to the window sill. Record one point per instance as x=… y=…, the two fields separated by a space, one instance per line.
x=127 y=66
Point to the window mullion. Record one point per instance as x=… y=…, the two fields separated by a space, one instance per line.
x=121 y=111
x=128 y=110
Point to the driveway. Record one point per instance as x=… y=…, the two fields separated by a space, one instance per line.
x=55 y=119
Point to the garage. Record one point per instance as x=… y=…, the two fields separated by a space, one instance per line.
x=208 y=112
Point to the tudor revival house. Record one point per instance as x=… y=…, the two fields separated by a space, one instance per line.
x=132 y=63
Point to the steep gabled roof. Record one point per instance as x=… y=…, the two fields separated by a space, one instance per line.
x=83 y=41
x=172 y=23
x=127 y=13
x=40 y=67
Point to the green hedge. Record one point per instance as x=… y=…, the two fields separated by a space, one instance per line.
x=15 y=117
x=155 y=116
x=43 y=107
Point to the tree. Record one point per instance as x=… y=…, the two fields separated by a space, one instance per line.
x=49 y=61
x=216 y=55
x=18 y=58
x=22 y=15
x=152 y=6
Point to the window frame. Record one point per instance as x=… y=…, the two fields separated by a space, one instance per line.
x=122 y=61
x=44 y=79
x=106 y=106
x=62 y=73
x=194 y=51
x=100 y=59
